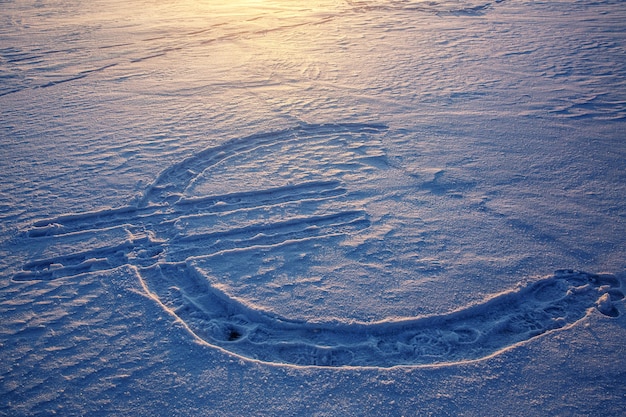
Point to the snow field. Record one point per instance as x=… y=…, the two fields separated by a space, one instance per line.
x=331 y=208
x=177 y=244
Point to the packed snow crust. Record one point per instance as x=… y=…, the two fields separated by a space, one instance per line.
x=330 y=208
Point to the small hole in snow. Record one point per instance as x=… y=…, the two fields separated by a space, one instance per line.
x=233 y=335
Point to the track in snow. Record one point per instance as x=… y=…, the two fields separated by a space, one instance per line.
x=167 y=236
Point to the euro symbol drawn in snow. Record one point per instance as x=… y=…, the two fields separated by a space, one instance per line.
x=172 y=233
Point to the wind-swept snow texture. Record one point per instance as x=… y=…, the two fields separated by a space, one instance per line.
x=312 y=208
x=168 y=258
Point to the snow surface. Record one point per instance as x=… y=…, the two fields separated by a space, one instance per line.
x=312 y=208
